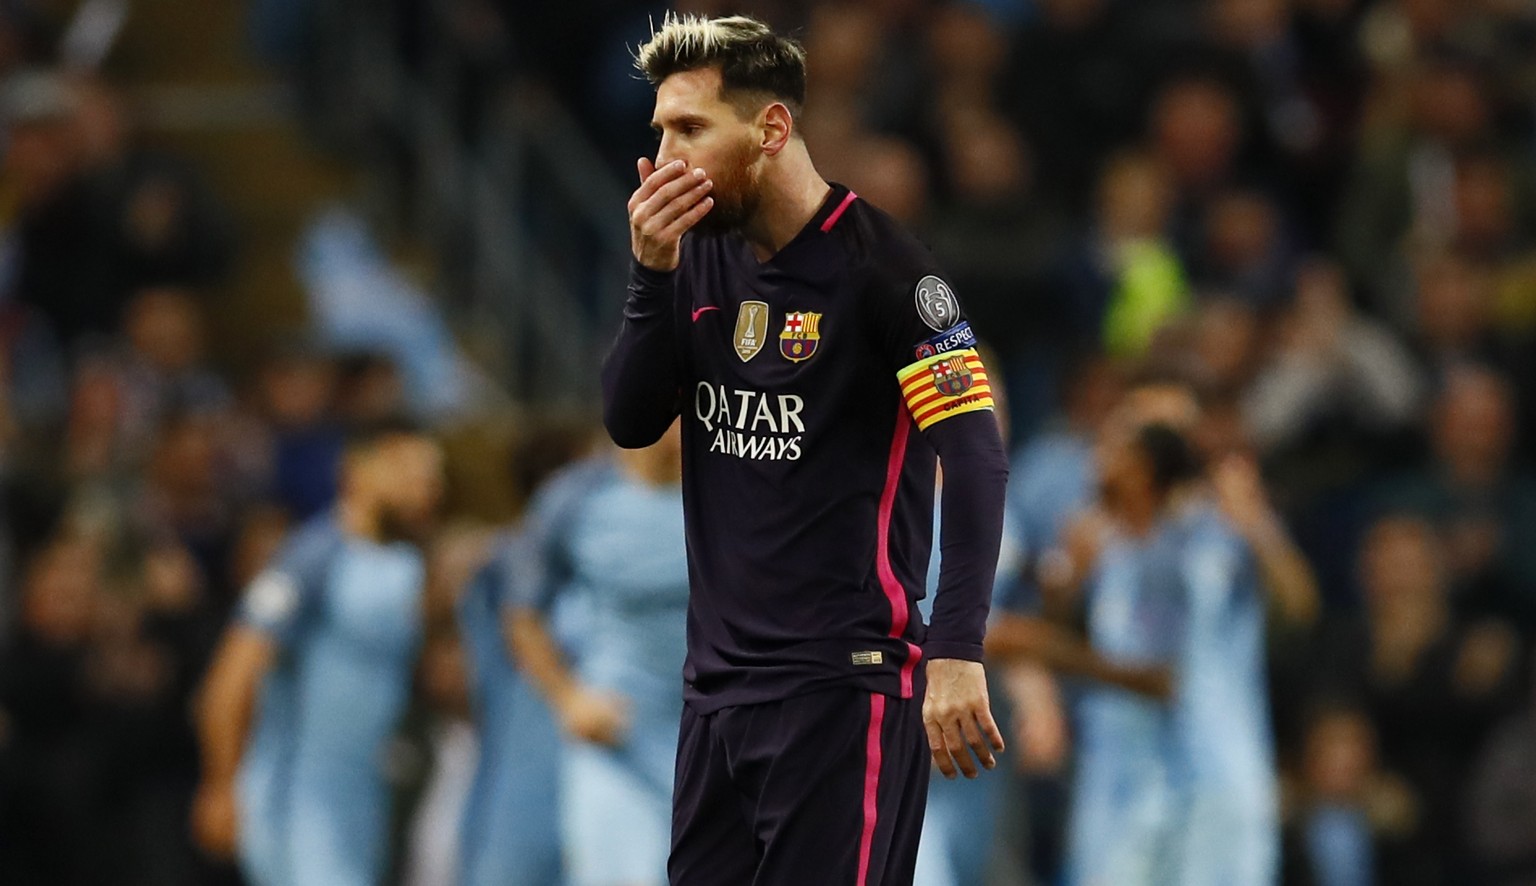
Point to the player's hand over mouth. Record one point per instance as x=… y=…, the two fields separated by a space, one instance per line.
x=670 y=200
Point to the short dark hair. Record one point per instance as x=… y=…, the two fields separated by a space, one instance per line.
x=363 y=436
x=751 y=57
x=1172 y=457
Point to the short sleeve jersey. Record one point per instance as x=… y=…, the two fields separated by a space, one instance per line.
x=808 y=486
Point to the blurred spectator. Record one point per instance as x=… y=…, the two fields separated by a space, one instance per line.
x=1430 y=680
x=1409 y=194
x=1501 y=809
x=1074 y=82
x=1243 y=250
x=967 y=53
x=990 y=235
x=1196 y=132
x=53 y=761
x=297 y=391
x=81 y=188
x=1335 y=373
x=890 y=173
x=1123 y=279
x=1343 y=806
x=1482 y=503
x=184 y=493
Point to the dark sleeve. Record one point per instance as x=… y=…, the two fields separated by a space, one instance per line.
x=970 y=532
x=640 y=375
x=930 y=349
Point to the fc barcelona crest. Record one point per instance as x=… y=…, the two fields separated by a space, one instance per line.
x=952 y=377
x=801 y=335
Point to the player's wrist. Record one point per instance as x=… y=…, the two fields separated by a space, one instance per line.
x=653 y=272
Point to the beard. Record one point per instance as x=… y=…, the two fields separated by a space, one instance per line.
x=737 y=194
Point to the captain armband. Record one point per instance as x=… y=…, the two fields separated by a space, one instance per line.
x=945 y=385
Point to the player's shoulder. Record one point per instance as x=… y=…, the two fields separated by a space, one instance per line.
x=567 y=487
x=881 y=247
x=311 y=544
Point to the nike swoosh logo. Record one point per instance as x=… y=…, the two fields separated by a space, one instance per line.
x=698 y=311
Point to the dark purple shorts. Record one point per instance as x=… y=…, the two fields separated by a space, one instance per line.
x=825 y=789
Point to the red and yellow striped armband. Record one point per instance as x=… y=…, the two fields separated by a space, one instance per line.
x=945 y=385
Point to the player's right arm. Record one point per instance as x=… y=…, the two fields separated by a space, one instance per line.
x=224 y=713
x=1026 y=638
x=270 y=616
x=641 y=381
x=540 y=571
x=596 y=717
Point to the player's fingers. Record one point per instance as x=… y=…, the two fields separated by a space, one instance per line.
x=662 y=186
x=937 y=747
x=955 y=742
x=977 y=744
x=990 y=728
x=658 y=178
x=676 y=208
x=680 y=187
x=645 y=167
x=680 y=226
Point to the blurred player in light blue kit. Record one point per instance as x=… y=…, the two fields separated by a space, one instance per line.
x=1177 y=565
x=608 y=532
x=310 y=682
x=1236 y=563
x=1120 y=824
x=511 y=833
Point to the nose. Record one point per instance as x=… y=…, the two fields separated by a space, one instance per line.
x=667 y=151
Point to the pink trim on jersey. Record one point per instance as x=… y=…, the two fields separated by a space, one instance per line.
x=871 y=783
x=895 y=594
x=838 y=212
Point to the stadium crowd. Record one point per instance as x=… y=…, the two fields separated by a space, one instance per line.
x=1319 y=215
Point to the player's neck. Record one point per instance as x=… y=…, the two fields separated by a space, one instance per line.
x=792 y=193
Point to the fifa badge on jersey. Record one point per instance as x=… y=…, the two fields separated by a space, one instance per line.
x=751 y=328
x=952 y=377
x=801 y=335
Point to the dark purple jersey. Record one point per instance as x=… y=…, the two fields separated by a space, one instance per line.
x=815 y=390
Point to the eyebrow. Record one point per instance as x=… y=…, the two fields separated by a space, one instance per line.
x=680 y=120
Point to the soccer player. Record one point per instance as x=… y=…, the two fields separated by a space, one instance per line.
x=1120 y=826
x=1182 y=792
x=820 y=362
x=607 y=534
x=307 y=686
x=1238 y=565
x=509 y=833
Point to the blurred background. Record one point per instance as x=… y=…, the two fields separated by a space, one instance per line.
x=228 y=231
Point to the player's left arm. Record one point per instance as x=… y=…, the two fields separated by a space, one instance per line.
x=945 y=388
x=1284 y=569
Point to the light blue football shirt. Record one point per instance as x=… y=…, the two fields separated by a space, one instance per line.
x=1122 y=798
x=345 y=615
x=510 y=832
x=1223 y=769
x=619 y=548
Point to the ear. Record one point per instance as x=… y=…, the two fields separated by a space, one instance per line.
x=777 y=125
